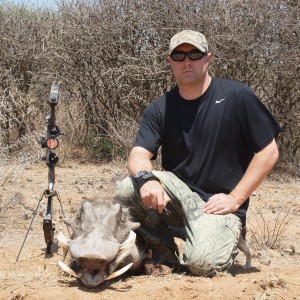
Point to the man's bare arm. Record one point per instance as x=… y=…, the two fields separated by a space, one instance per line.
x=139 y=160
x=258 y=169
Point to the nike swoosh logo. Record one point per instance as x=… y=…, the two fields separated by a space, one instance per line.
x=219 y=101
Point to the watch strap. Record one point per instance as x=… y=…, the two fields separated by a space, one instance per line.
x=147 y=176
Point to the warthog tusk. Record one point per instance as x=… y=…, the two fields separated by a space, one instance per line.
x=119 y=272
x=129 y=242
x=125 y=247
x=63 y=240
x=67 y=269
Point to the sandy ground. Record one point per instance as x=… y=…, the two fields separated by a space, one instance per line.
x=273 y=219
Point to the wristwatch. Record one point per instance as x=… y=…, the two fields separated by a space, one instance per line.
x=142 y=177
x=139 y=174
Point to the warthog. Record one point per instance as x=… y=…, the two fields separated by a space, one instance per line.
x=103 y=242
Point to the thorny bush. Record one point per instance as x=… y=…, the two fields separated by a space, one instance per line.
x=110 y=57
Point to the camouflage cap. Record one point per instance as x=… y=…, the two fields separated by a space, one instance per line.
x=194 y=38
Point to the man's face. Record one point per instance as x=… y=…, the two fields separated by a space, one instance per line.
x=189 y=71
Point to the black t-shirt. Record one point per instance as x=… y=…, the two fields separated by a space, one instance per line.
x=208 y=142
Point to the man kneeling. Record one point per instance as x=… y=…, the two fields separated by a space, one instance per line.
x=217 y=144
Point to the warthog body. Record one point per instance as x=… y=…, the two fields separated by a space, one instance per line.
x=103 y=242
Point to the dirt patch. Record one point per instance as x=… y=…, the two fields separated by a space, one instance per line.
x=274 y=214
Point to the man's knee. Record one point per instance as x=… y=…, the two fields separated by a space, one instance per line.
x=207 y=265
x=211 y=244
x=125 y=188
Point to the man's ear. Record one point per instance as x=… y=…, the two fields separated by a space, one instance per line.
x=208 y=57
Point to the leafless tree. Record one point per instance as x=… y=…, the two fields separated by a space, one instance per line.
x=110 y=56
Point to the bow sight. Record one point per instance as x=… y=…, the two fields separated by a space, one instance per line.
x=50 y=143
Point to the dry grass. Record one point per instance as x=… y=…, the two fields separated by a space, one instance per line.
x=272 y=288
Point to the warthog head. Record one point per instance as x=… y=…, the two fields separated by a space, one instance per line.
x=103 y=242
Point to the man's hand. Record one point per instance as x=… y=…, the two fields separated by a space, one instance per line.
x=260 y=165
x=220 y=204
x=153 y=195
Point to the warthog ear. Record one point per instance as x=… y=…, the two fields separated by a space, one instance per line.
x=125 y=214
x=73 y=225
x=134 y=225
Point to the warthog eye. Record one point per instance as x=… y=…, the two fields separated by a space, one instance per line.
x=94 y=272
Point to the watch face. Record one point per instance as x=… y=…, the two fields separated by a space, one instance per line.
x=140 y=174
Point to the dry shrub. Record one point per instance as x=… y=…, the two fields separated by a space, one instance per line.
x=110 y=57
x=268 y=227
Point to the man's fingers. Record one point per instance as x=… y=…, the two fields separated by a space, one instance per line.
x=160 y=203
x=220 y=204
x=210 y=205
x=166 y=198
x=153 y=195
x=221 y=212
x=214 y=208
x=217 y=210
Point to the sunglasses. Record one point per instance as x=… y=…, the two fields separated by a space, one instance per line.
x=193 y=55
